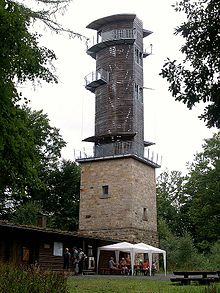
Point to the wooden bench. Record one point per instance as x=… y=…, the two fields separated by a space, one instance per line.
x=108 y=271
x=202 y=281
x=202 y=277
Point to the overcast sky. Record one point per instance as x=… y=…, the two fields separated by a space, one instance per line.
x=177 y=131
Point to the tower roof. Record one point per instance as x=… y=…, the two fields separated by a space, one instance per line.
x=97 y=24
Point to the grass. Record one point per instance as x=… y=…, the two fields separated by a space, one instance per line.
x=133 y=285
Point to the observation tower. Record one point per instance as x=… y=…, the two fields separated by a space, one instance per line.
x=118 y=189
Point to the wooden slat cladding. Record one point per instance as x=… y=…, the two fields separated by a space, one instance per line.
x=48 y=261
x=114 y=101
x=119 y=103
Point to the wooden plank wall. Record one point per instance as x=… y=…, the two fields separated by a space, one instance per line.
x=47 y=260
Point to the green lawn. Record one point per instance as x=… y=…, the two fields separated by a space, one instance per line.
x=134 y=285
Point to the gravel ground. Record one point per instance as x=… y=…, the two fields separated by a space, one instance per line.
x=160 y=277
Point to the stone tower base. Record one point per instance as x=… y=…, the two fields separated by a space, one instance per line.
x=118 y=199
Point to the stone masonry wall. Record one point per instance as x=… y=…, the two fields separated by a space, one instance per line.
x=128 y=212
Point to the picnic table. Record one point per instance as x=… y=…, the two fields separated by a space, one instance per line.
x=203 y=277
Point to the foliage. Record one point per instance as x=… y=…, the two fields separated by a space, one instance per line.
x=33 y=151
x=197 y=78
x=47 y=139
x=54 y=185
x=58 y=199
x=168 y=242
x=16 y=280
x=62 y=199
x=21 y=59
x=185 y=252
x=203 y=188
x=47 y=14
x=189 y=216
x=214 y=258
x=30 y=148
x=17 y=161
x=182 y=252
x=171 y=200
x=27 y=214
x=191 y=203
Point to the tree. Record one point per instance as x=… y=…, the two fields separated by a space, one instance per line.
x=203 y=189
x=61 y=198
x=32 y=150
x=197 y=78
x=47 y=139
x=46 y=12
x=191 y=204
x=27 y=214
x=58 y=198
x=23 y=59
x=171 y=201
x=181 y=251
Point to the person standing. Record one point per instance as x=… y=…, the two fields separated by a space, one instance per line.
x=75 y=260
x=81 y=260
x=66 y=259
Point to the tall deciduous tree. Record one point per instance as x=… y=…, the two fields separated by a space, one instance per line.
x=21 y=59
x=203 y=188
x=58 y=199
x=171 y=201
x=61 y=198
x=27 y=141
x=31 y=151
x=197 y=78
x=30 y=148
x=27 y=214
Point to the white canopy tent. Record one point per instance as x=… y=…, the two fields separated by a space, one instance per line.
x=145 y=248
x=133 y=249
x=122 y=246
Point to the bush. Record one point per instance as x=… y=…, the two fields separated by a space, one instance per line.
x=182 y=254
x=215 y=255
x=20 y=280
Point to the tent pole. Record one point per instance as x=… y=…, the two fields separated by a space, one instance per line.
x=97 y=265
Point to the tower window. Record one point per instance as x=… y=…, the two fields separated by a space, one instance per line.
x=145 y=217
x=105 y=191
x=138 y=56
x=140 y=94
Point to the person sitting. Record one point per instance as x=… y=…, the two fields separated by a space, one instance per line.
x=154 y=268
x=123 y=265
x=145 y=267
x=112 y=265
x=128 y=263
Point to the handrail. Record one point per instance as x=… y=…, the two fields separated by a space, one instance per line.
x=96 y=75
x=116 y=34
x=117 y=149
